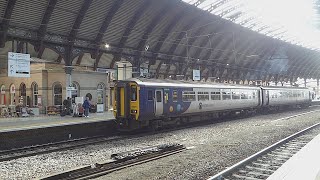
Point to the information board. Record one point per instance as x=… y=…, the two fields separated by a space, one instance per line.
x=196 y=75
x=18 y=65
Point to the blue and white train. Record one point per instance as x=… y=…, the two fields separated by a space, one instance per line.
x=155 y=103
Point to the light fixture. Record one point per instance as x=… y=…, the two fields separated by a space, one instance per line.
x=227 y=64
x=251 y=56
x=107 y=45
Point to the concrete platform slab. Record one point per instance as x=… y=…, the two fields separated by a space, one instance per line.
x=303 y=165
x=26 y=123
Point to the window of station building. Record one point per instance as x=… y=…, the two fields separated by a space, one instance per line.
x=235 y=95
x=57 y=94
x=35 y=92
x=216 y=95
x=203 y=96
x=2 y=95
x=150 y=95
x=188 y=96
x=133 y=93
x=175 y=96
x=89 y=95
x=226 y=94
x=23 y=94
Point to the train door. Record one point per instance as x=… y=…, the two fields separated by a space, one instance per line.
x=267 y=97
x=158 y=102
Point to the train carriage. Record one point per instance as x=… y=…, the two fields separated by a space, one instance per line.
x=285 y=96
x=143 y=102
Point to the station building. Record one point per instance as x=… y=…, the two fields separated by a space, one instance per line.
x=46 y=85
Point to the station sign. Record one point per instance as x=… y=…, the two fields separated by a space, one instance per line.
x=18 y=65
x=196 y=75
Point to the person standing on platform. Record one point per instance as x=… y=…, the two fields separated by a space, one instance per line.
x=86 y=106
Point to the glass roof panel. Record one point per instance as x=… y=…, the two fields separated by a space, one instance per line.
x=294 y=21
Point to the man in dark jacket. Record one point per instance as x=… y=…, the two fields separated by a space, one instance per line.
x=86 y=106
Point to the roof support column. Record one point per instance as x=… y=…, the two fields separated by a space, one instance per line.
x=68 y=70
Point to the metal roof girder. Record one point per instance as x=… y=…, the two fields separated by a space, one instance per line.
x=105 y=24
x=41 y=32
x=6 y=21
x=157 y=18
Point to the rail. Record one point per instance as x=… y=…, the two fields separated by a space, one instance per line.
x=234 y=168
x=121 y=161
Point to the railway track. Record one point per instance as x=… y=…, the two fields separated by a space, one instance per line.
x=77 y=143
x=54 y=147
x=264 y=163
x=121 y=161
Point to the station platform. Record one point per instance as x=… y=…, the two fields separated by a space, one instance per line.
x=45 y=121
x=30 y=131
x=303 y=165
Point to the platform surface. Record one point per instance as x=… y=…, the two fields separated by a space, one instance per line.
x=43 y=121
x=305 y=165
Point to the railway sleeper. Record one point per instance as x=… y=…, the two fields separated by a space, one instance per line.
x=269 y=166
x=271 y=160
x=260 y=169
x=243 y=177
x=253 y=174
x=285 y=152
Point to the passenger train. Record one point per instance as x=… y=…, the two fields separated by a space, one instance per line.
x=156 y=103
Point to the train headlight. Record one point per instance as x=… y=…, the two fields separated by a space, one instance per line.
x=134 y=111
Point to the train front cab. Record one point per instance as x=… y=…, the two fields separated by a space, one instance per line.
x=126 y=105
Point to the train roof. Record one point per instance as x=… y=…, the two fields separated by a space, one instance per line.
x=192 y=84
x=197 y=84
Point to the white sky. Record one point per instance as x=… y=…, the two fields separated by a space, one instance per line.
x=298 y=18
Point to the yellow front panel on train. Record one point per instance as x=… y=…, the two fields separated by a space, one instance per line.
x=122 y=101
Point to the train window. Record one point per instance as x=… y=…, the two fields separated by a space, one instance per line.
x=133 y=93
x=158 y=96
x=226 y=94
x=188 y=96
x=291 y=94
x=215 y=96
x=150 y=95
x=175 y=96
x=253 y=95
x=244 y=95
x=235 y=95
x=203 y=96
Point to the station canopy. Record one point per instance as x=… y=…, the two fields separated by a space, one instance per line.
x=170 y=37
